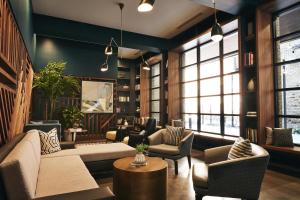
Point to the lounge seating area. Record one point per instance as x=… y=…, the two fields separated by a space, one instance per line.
x=149 y=100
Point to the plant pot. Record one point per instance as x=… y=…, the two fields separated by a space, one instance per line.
x=68 y=136
x=139 y=158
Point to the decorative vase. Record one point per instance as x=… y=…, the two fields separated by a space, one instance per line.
x=251 y=85
x=139 y=158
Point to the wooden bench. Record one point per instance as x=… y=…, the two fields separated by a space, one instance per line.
x=284 y=159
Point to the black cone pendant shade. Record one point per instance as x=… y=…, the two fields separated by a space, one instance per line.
x=216 y=32
x=145 y=65
x=109 y=50
x=104 y=67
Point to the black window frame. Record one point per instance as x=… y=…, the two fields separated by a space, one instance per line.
x=221 y=76
x=152 y=88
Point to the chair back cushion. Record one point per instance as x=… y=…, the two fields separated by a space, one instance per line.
x=150 y=126
x=241 y=148
x=173 y=135
x=49 y=141
x=19 y=170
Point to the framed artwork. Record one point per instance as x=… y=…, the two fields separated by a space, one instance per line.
x=97 y=97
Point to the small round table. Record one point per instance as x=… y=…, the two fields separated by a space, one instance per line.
x=140 y=182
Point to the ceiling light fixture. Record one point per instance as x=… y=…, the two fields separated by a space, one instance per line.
x=144 y=64
x=109 y=48
x=216 y=30
x=146 y=5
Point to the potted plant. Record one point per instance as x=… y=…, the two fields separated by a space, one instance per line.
x=72 y=117
x=54 y=84
x=140 y=157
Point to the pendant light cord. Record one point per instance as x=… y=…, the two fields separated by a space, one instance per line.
x=121 y=5
x=215 y=11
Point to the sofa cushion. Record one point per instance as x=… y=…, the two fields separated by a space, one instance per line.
x=164 y=148
x=60 y=175
x=49 y=142
x=241 y=148
x=200 y=175
x=269 y=136
x=19 y=170
x=283 y=137
x=173 y=135
x=95 y=152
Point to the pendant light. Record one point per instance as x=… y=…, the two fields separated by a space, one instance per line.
x=144 y=64
x=109 y=48
x=145 y=5
x=216 y=30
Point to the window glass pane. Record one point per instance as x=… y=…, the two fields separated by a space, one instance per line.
x=209 y=50
x=155 y=94
x=189 y=89
x=210 y=123
x=154 y=106
x=231 y=83
x=155 y=82
x=231 y=104
x=231 y=43
x=210 y=86
x=189 y=57
x=231 y=63
x=189 y=73
x=204 y=38
x=288 y=50
x=232 y=125
x=156 y=116
x=287 y=22
x=289 y=102
x=155 y=70
x=210 y=68
x=288 y=75
x=210 y=105
x=291 y=123
x=190 y=105
x=230 y=26
x=190 y=121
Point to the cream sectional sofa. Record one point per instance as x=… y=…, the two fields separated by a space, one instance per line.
x=26 y=174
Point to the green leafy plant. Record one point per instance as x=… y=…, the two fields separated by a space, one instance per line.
x=141 y=148
x=54 y=84
x=72 y=117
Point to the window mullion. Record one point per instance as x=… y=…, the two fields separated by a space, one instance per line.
x=222 y=118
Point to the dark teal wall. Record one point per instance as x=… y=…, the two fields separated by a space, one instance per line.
x=22 y=11
x=83 y=59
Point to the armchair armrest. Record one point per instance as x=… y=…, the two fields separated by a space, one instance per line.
x=185 y=145
x=92 y=194
x=156 y=138
x=216 y=154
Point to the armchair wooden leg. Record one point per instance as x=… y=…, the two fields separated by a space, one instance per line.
x=189 y=160
x=176 y=166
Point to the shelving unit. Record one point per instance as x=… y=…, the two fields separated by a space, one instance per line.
x=137 y=90
x=249 y=77
x=123 y=91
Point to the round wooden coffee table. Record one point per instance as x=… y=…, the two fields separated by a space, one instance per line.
x=140 y=183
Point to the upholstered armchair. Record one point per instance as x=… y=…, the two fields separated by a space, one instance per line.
x=159 y=149
x=237 y=178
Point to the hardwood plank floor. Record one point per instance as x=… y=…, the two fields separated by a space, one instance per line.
x=275 y=186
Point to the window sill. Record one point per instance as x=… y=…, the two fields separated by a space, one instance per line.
x=216 y=136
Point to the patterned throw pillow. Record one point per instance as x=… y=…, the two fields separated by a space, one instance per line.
x=49 y=142
x=241 y=148
x=283 y=137
x=173 y=135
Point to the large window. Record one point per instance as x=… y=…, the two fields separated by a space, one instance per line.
x=155 y=91
x=210 y=83
x=287 y=69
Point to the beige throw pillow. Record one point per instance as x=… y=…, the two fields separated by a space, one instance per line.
x=241 y=148
x=173 y=135
x=49 y=142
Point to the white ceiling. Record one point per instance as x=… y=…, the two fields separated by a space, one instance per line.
x=167 y=19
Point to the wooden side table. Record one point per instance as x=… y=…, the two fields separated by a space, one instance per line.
x=140 y=183
x=70 y=134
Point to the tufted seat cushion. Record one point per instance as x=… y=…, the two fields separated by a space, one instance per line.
x=200 y=175
x=164 y=148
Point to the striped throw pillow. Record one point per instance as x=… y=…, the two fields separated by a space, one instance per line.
x=49 y=142
x=173 y=135
x=241 y=148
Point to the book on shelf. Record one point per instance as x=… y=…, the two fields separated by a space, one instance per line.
x=123 y=98
x=251 y=134
x=137 y=87
x=251 y=114
x=249 y=59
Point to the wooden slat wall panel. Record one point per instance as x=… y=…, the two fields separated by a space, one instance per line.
x=16 y=76
x=145 y=93
x=173 y=87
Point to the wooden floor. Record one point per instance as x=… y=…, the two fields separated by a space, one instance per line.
x=276 y=186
